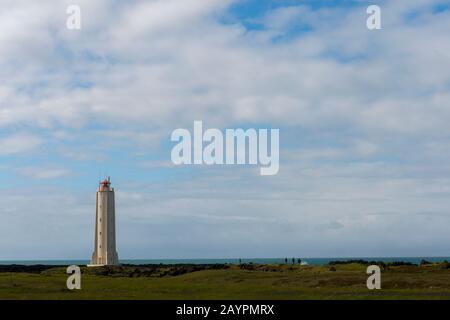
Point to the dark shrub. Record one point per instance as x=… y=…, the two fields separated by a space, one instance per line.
x=400 y=263
x=424 y=262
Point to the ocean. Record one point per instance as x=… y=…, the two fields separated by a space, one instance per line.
x=310 y=261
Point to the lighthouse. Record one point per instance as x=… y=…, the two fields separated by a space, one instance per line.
x=105 y=227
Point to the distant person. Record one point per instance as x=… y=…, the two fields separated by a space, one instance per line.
x=240 y=261
x=299 y=261
x=285 y=260
x=293 y=260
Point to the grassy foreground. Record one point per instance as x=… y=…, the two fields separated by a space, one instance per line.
x=231 y=282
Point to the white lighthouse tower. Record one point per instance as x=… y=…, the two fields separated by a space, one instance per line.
x=105 y=227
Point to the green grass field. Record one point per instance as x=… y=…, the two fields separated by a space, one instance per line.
x=261 y=282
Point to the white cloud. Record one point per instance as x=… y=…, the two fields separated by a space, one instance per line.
x=156 y=66
x=43 y=173
x=18 y=143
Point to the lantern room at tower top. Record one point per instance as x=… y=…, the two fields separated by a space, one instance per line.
x=104 y=185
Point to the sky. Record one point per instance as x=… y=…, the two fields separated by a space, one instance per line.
x=363 y=118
